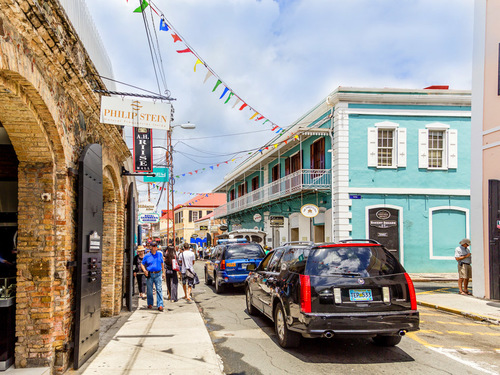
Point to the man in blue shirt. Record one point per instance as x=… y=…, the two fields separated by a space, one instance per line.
x=152 y=265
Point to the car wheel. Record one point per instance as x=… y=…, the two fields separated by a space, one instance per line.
x=286 y=338
x=208 y=281
x=218 y=288
x=250 y=308
x=386 y=340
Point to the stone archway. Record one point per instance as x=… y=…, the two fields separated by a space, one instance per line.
x=112 y=253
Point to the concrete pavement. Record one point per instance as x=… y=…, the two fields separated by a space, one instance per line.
x=174 y=341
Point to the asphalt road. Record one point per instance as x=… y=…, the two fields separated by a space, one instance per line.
x=446 y=344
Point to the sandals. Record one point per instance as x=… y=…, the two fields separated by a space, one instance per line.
x=463 y=293
x=468 y=292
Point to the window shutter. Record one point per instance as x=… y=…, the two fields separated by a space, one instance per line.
x=372 y=147
x=423 y=145
x=401 y=158
x=453 y=148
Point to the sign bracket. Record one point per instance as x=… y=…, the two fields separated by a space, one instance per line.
x=127 y=173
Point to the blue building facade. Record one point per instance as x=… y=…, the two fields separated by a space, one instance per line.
x=388 y=164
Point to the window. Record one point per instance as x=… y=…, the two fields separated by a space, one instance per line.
x=255 y=183
x=209 y=212
x=178 y=217
x=437 y=147
x=318 y=154
x=232 y=195
x=387 y=146
x=242 y=189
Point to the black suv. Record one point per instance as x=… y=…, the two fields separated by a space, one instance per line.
x=353 y=287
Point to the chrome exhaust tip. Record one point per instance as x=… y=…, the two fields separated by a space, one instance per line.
x=402 y=332
x=328 y=334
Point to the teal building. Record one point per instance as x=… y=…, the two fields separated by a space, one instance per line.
x=392 y=165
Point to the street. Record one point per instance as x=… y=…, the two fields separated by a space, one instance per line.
x=446 y=344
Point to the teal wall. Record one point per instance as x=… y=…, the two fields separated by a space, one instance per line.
x=448 y=227
x=411 y=176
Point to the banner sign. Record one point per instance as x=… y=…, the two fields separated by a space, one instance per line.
x=136 y=113
x=149 y=218
x=143 y=150
x=146 y=207
x=161 y=175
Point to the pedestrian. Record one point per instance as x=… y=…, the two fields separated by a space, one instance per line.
x=463 y=257
x=171 y=273
x=153 y=266
x=138 y=273
x=187 y=259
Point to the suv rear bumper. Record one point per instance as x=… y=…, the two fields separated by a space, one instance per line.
x=236 y=280
x=383 y=323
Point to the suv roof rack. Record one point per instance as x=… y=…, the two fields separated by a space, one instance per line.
x=360 y=240
x=310 y=243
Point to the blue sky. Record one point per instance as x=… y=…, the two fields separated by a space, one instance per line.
x=282 y=57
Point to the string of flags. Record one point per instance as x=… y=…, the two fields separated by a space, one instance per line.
x=227 y=92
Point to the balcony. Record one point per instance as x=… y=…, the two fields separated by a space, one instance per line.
x=303 y=180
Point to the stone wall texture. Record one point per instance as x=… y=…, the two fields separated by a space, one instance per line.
x=50 y=112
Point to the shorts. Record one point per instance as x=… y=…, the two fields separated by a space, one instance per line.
x=464 y=271
x=187 y=280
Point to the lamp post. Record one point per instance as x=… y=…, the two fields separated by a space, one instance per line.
x=171 y=179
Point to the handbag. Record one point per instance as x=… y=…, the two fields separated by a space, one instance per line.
x=175 y=265
x=190 y=274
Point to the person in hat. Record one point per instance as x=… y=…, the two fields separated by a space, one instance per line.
x=138 y=274
x=153 y=266
x=463 y=257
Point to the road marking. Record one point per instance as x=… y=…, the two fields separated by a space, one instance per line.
x=413 y=336
x=430 y=314
x=440 y=290
x=489 y=333
x=469 y=350
x=460 y=324
x=430 y=331
x=460 y=333
x=450 y=353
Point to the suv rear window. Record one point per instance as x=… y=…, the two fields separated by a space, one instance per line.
x=351 y=260
x=244 y=251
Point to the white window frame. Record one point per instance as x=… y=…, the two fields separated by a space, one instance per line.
x=399 y=145
x=431 y=234
x=450 y=147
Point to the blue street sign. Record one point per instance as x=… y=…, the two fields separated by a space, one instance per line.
x=161 y=175
x=354 y=196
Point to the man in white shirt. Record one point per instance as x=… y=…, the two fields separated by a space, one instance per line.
x=463 y=257
x=187 y=258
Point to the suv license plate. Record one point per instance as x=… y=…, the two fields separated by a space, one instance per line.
x=360 y=295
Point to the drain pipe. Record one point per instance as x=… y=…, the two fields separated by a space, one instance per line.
x=329 y=102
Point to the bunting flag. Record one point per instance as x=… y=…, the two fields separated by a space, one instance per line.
x=196 y=63
x=251 y=118
x=141 y=8
x=163 y=25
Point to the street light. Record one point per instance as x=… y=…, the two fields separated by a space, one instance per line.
x=171 y=180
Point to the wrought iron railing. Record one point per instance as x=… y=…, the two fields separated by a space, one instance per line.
x=305 y=179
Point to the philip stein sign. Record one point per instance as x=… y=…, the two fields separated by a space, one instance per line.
x=136 y=113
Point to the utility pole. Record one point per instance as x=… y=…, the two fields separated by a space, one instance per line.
x=170 y=188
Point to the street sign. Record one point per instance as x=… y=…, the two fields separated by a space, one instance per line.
x=136 y=113
x=149 y=218
x=277 y=221
x=161 y=175
x=354 y=196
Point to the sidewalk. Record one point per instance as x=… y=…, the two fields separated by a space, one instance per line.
x=174 y=341
x=440 y=291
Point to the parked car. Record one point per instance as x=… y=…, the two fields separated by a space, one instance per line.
x=231 y=261
x=354 y=287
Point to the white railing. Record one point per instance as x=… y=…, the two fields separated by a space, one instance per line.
x=305 y=179
x=81 y=19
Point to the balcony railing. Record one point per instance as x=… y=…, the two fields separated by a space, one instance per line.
x=305 y=179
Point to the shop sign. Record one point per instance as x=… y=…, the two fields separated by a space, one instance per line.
x=383 y=220
x=161 y=175
x=143 y=150
x=146 y=207
x=136 y=113
x=277 y=221
x=309 y=210
x=94 y=242
x=149 y=218
x=203 y=227
x=257 y=218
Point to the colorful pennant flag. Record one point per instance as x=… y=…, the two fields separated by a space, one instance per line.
x=163 y=25
x=141 y=8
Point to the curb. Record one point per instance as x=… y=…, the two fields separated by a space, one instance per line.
x=472 y=316
x=434 y=280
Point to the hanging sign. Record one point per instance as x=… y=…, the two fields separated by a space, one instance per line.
x=161 y=175
x=146 y=207
x=143 y=150
x=137 y=113
x=257 y=218
x=309 y=210
x=149 y=218
x=277 y=221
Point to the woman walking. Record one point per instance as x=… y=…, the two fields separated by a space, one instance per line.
x=139 y=275
x=171 y=273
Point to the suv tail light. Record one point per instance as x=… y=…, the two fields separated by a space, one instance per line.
x=305 y=293
x=411 y=288
x=222 y=265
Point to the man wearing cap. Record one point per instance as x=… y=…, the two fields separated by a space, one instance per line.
x=152 y=265
x=462 y=255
